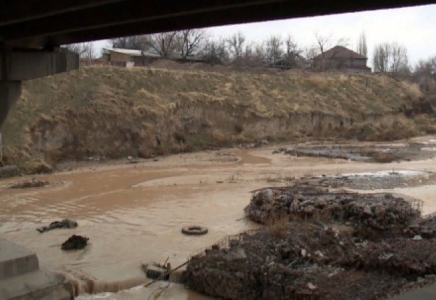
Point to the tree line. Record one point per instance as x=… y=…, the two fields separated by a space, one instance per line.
x=236 y=49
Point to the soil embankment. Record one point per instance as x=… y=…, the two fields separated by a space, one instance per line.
x=104 y=112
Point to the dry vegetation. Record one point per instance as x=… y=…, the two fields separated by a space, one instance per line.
x=115 y=112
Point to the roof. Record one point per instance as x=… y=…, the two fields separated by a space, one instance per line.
x=149 y=53
x=341 y=52
x=131 y=52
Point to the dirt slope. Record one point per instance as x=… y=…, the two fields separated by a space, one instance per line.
x=114 y=112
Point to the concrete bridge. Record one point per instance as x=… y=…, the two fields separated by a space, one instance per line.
x=31 y=32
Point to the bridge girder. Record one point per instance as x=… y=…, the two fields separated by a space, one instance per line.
x=39 y=24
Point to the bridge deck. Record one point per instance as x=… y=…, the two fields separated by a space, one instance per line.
x=37 y=24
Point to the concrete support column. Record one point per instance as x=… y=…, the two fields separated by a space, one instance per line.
x=10 y=92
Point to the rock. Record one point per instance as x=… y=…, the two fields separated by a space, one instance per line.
x=8 y=171
x=310 y=209
x=236 y=254
x=311 y=286
x=268 y=194
x=319 y=253
x=38 y=166
x=75 y=242
x=417 y=237
x=294 y=207
x=367 y=210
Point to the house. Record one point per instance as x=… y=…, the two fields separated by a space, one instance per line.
x=341 y=58
x=130 y=58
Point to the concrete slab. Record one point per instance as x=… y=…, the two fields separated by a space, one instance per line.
x=22 y=279
x=41 y=285
x=16 y=260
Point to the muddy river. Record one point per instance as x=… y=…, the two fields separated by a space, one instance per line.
x=133 y=213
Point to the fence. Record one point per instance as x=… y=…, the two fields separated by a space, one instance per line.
x=225 y=242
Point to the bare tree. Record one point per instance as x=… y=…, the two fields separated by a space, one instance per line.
x=163 y=43
x=236 y=44
x=427 y=67
x=274 y=49
x=425 y=73
x=381 y=57
x=362 y=46
x=400 y=59
x=322 y=42
x=84 y=50
x=191 y=40
x=293 y=52
x=253 y=56
x=391 y=58
x=214 y=51
x=136 y=42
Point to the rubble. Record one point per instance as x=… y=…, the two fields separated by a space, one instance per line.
x=75 y=242
x=64 y=224
x=314 y=261
x=369 y=181
x=365 y=153
x=374 y=211
x=323 y=250
x=29 y=184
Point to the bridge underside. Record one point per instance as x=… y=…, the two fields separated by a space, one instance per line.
x=31 y=31
x=40 y=24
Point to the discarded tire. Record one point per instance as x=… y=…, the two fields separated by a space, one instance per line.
x=194 y=230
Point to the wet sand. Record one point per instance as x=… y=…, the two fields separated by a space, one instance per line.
x=133 y=213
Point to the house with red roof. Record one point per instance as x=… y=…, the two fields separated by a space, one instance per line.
x=343 y=59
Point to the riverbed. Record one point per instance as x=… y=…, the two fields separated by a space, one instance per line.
x=133 y=212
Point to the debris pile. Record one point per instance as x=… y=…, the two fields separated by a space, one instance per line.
x=314 y=261
x=321 y=251
x=33 y=183
x=64 y=224
x=365 y=153
x=75 y=242
x=376 y=211
x=425 y=228
x=369 y=181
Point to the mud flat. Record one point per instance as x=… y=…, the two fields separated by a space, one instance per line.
x=369 y=152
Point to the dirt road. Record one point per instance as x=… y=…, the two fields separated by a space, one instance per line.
x=133 y=213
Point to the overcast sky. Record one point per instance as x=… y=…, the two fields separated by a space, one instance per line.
x=413 y=27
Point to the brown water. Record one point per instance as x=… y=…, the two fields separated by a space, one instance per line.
x=133 y=213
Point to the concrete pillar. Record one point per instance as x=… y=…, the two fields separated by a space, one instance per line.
x=10 y=92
